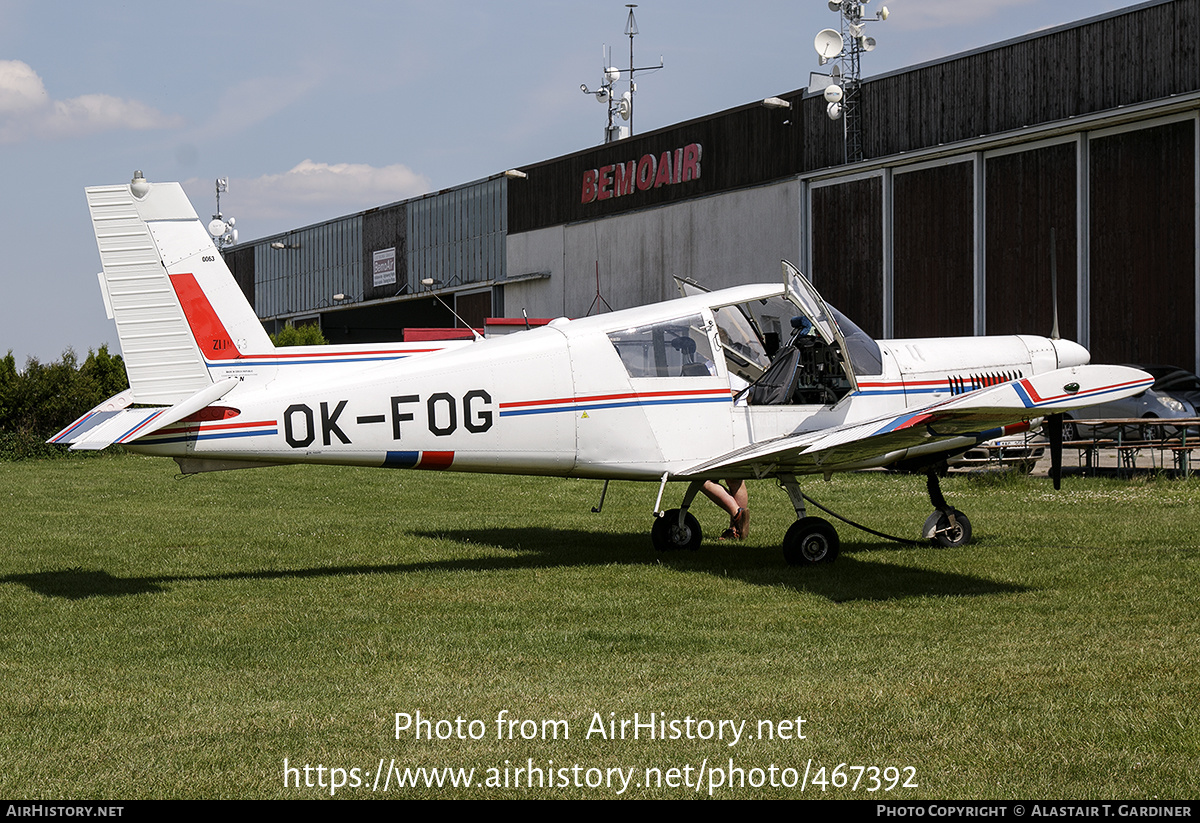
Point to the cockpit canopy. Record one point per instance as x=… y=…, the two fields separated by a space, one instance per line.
x=792 y=348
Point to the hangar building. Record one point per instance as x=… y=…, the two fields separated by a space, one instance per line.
x=1088 y=133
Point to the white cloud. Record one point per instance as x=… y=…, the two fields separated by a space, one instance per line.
x=310 y=192
x=27 y=111
x=21 y=90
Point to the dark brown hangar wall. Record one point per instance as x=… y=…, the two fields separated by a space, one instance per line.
x=1030 y=192
x=849 y=275
x=730 y=150
x=1143 y=53
x=1020 y=111
x=1143 y=246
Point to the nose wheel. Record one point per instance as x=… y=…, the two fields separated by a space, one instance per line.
x=947 y=526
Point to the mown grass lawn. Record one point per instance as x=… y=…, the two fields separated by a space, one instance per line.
x=181 y=637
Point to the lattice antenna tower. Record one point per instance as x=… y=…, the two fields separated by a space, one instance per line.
x=842 y=86
x=222 y=229
x=619 y=107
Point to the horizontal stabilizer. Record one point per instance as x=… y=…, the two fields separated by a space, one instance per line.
x=100 y=429
x=114 y=422
x=190 y=406
x=87 y=421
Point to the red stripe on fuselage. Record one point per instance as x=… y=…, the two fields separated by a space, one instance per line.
x=436 y=460
x=597 y=398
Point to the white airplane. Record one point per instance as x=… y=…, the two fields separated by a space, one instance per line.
x=753 y=381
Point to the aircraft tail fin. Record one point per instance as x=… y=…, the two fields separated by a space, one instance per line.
x=177 y=306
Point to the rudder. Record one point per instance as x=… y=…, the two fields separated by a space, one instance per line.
x=176 y=305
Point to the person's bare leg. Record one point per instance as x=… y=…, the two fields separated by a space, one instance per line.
x=718 y=494
x=740 y=519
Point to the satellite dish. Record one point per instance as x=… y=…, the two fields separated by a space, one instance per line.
x=834 y=110
x=835 y=5
x=612 y=75
x=856 y=30
x=603 y=96
x=217 y=227
x=868 y=43
x=828 y=43
x=833 y=93
x=625 y=107
x=883 y=13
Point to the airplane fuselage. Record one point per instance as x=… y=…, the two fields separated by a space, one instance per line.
x=557 y=400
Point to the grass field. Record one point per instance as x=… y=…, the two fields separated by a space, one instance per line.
x=181 y=637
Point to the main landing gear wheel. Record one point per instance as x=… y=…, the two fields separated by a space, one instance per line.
x=810 y=540
x=939 y=529
x=668 y=535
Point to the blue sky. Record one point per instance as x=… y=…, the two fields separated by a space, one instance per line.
x=313 y=113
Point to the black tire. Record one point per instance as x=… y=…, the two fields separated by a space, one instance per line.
x=667 y=535
x=810 y=540
x=946 y=535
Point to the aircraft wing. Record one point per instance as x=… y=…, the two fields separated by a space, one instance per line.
x=946 y=426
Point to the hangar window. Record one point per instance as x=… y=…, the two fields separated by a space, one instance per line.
x=675 y=348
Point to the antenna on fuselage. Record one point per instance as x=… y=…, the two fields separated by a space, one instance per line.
x=429 y=281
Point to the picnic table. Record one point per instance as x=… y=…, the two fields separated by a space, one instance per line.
x=1160 y=438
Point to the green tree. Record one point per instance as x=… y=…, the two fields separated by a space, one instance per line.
x=45 y=397
x=308 y=334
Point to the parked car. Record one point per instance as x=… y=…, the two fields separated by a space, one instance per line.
x=1176 y=382
x=1016 y=451
x=1150 y=404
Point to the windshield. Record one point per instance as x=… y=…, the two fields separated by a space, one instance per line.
x=861 y=348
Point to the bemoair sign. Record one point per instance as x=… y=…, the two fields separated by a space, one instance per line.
x=650 y=171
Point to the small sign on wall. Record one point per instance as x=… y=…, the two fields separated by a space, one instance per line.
x=384 y=267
